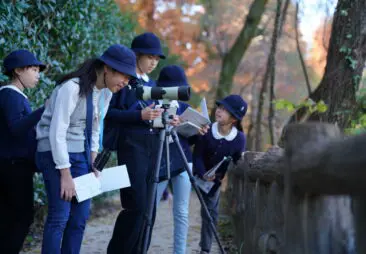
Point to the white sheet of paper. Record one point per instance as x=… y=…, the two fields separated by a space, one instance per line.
x=88 y=186
x=187 y=129
x=204 y=109
x=205 y=186
x=213 y=170
x=114 y=178
x=195 y=117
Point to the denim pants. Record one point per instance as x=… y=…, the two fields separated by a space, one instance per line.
x=65 y=220
x=181 y=194
x=212 y=203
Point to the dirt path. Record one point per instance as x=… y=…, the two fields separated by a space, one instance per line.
x=99 y=231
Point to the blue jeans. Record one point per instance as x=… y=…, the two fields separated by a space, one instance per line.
x=65 y=220
x=181 y=194
x=207 y=235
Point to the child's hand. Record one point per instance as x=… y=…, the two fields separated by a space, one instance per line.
x=203 y=130
x=175 y=121
x=96 y=172
x=149 y=113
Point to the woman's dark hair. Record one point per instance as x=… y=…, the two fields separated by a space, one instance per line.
x=238 y=126
x=87 y=74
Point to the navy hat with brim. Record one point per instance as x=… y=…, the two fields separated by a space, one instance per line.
x=121 y=59
x=235 y=104
x=147 y=44
x=19 y=59
x=151 y=51
x=172 y=75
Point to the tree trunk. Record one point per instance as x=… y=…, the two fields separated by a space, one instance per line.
x=267 y=75
x=233 y=58
x=345 y=63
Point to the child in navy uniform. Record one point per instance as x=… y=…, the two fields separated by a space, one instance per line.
x=137 y=145
x=68 y=142
x=17 y=149
x=171 y=76
x=225 y=139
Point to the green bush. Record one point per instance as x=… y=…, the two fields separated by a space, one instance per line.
x=62 y=34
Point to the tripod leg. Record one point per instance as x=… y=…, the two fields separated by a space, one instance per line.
x=147 y=224
x=167 y=157
x=199 y=195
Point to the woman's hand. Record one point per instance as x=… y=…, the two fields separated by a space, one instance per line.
x=149 y=113
x=175 y=121
x=96 y=172
x=67 y=185
x=93 y=155
x=204 y=129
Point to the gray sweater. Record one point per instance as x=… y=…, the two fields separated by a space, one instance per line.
x=61 y=128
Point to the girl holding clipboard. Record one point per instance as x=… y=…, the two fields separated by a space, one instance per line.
x=225 y=139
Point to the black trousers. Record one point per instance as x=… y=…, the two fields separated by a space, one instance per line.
x=138 y=153
x=16 y=209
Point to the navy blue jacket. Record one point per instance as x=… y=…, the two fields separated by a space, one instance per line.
x=125 y=110
x=17 y=126
x=176 y=162
x=209 y=151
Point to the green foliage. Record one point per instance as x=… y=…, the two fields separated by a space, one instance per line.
x=39 y=191
x=358 y=124
x=62 y=34
x=344 y=13
x=310 y=105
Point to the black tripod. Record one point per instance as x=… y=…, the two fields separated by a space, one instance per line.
x=164 y=135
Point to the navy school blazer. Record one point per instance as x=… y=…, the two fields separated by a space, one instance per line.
x=17 y=126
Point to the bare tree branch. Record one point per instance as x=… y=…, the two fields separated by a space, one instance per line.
x=308 y=86
x=276 y=34
x=284 y=15
x=233 y=57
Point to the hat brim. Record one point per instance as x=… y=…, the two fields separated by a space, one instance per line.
x=120 y=67
x=149 y=52
x=228 y=108
x=170 y=84
x=41 y=66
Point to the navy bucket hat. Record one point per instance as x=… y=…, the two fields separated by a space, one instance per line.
x=148 y=44
x=120 y=58
x=172 y=75
x=235 y=105
x=19 y=59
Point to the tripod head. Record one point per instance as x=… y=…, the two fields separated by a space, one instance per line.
x=168 y=112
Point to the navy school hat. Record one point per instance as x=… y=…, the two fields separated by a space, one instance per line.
x=19 y=59
x=120 y=58
x=235 y=105
x=172 y=75
x=147 y=43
